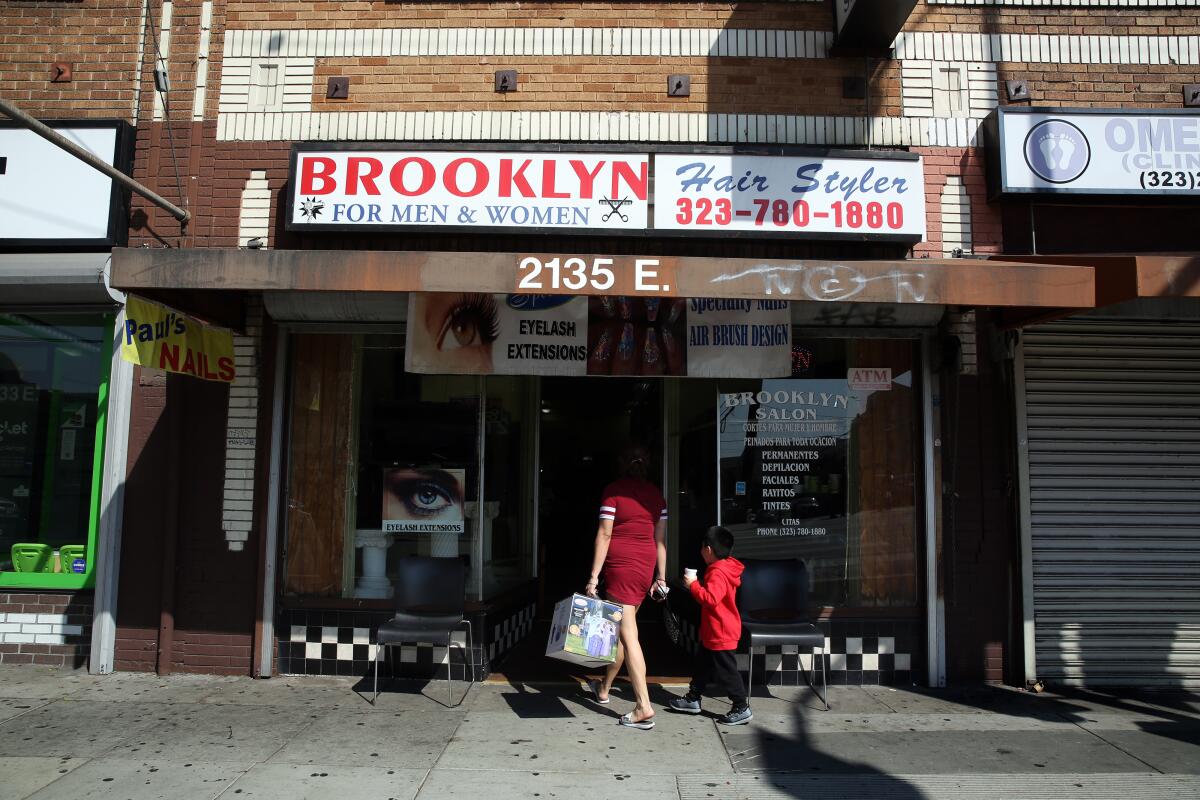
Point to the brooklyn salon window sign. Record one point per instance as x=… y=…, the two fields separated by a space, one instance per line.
x=378 y=188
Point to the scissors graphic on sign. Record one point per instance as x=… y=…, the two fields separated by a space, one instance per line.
x=615 y=206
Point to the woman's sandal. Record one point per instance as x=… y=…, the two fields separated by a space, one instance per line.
x=643 y=725
x=595 y=687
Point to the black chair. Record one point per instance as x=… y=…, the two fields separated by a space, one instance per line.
x=773 y=602
x=430 y=595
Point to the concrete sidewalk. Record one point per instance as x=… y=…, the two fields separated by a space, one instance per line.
x=69 y=735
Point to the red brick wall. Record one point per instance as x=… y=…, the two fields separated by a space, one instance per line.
x=140 y=583
x=34 y=614
x=99 y=37
x=967 y=163
x=211 y=590
x=1046 y=21
x=979 y=538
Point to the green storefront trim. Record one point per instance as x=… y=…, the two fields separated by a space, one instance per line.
x=86 y=580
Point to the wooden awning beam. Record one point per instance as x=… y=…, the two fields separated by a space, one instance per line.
x=961 y=282
x=1128 y=277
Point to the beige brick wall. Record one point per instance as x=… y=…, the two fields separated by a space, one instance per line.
x=593 y=83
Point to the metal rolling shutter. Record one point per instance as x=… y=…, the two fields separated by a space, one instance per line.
x=1113 y=418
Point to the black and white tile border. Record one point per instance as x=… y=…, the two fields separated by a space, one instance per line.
x=858 y=652
x=509 y=631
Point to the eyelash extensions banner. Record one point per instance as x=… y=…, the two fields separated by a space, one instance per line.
x=527 y=334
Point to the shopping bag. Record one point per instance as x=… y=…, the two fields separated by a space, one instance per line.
x=671 y=622
x=584 y=631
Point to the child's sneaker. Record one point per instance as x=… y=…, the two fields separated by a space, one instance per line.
x=685 y=705
x=738 y=716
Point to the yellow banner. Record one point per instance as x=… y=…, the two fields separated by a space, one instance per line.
x=162 y=338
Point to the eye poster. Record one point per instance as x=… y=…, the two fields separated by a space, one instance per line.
x=424 y=500
x=528 y=334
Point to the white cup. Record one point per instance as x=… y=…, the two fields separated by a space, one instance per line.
x=689 y=573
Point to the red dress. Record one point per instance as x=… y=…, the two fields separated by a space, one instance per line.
x=635 y=506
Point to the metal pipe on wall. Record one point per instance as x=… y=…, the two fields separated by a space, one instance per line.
x=63 y=143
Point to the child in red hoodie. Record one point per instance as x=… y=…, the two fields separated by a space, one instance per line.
x=720 y=630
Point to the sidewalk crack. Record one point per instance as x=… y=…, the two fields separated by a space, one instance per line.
x=1113 y=745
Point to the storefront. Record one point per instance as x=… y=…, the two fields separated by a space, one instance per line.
x=470 y=403
x=56 y=346
x=1107 y=401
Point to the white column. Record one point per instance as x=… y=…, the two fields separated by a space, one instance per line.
x=373 y=582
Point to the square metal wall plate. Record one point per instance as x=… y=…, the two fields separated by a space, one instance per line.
x=337 y=89
x=1191 y=95
x=1017 y=90
x=679 y=86
x=506 y=80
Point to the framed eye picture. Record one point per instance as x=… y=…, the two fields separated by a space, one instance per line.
x=424 y=500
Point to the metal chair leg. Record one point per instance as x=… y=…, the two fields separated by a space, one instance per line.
x=376 y=696
x=824 y=683
x=470 y=659
x=449 y=673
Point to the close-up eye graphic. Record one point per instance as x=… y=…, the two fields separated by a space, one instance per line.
x=424 y=494
x=471 y=322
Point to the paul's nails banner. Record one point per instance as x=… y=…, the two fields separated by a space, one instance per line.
x=162 y=338
x=485 y=334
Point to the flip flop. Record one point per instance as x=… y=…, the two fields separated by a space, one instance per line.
x=595 y=688
x=627 y=721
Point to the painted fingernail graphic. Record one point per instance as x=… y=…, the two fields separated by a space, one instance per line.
x=675 y=311
x=607 y=307
x=598 y=362
x=626 y=307
x=674 y=357
x=652 y=308
x=652 y=360
x=625 y=346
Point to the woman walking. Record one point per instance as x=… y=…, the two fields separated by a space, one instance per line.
x=631 y=554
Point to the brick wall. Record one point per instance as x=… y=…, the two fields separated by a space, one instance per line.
x=100 y=39
x=602 y=83
x=177 y=457
x=215 y=178
x=140 y=581
x=50 y=628
x=967 y=164
x=979 y=533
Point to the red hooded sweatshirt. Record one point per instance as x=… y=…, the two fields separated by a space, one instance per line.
x=720 y=623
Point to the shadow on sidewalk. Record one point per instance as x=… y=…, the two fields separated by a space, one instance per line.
x=1176 y=714
x=786 y=761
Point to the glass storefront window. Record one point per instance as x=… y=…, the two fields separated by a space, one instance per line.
x=821 y=466
x=418 y=444
x=53 y=389
x=386 y=464
x=508 y=489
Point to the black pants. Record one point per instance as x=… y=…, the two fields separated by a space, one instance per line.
x=716 y=672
